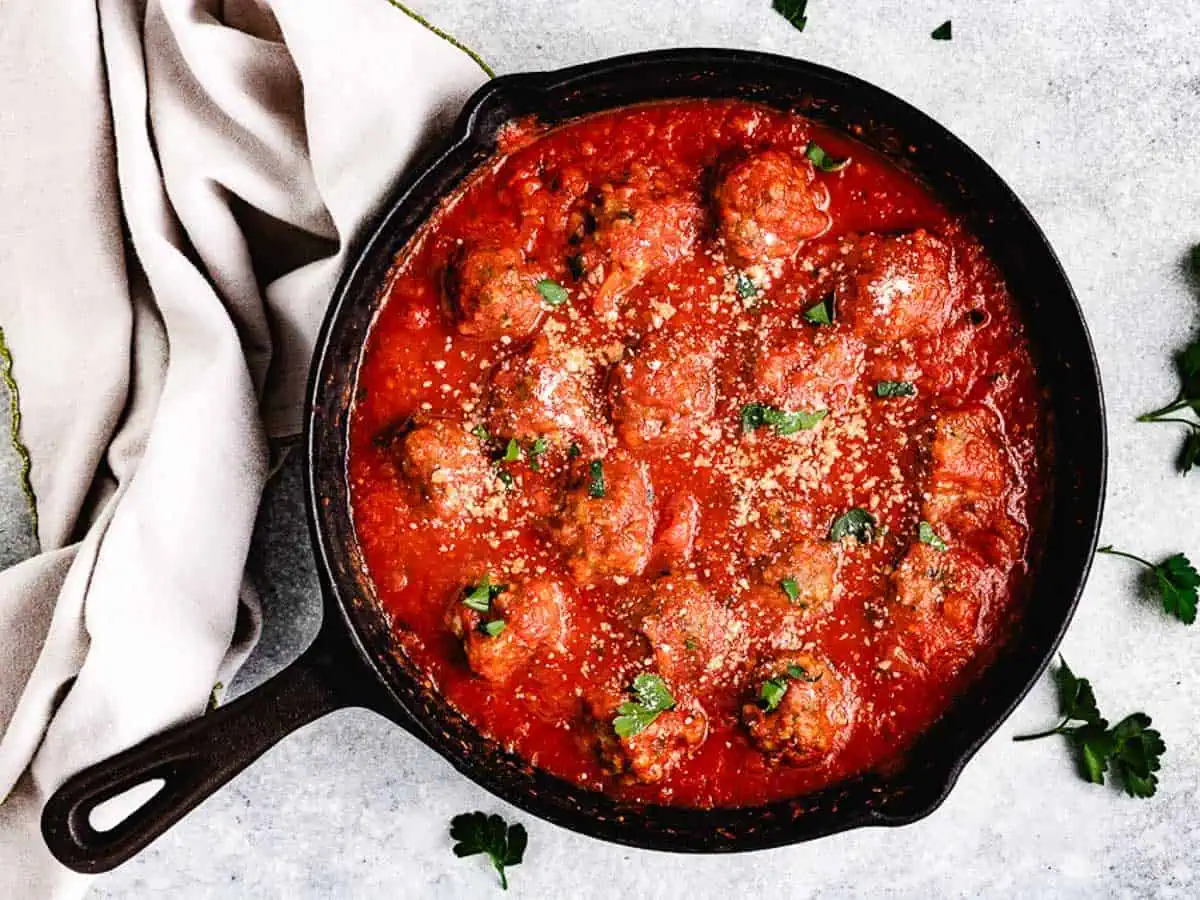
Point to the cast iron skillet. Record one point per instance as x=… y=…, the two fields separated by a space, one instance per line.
x=353 y=661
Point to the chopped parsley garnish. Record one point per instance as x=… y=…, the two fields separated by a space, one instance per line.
x=821 y=314
x=1188 y=400
x=482 y=433
x=552 y=292
x=574 y=452
x=926 y=535
x=537 y=449
x=480 y=597
x=495 y=627
x=689 y=644
x=771 y=691
x=1131 y=748
x=793 y=11
x=791 y=588
x=895 y=389
x=745 y=287
x=512 y=452
x=575 y=266
x=596 y=479
x=478 y=833
x=756 y=415
x=857 y=522
x=1174 y=580
x=822 y=160
x=943 y=32
x=505 y=478
x=653 y=699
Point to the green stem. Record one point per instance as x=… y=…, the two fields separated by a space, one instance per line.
x=1057 y=729
x=1188 y=422
x=503 y=877
x=1111 y=552
x=1169 y=408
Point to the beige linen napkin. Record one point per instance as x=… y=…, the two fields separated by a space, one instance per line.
x=178 y=183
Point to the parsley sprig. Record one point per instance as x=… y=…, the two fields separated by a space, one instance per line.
x=477 y=832
x=771 y=691
x=757 y=415
x=1174 y=580
x=1131 y=748
x=480 y=596
x=1188 y=400
x=653 y=699
x=855 y=521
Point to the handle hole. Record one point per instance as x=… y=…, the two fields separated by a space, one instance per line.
x=112 y=812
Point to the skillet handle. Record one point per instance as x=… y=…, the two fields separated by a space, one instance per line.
x=193 y=759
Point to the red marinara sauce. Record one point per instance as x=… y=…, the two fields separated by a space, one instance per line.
x=688 y=470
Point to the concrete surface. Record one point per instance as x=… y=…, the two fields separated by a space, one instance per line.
x=1091 y=111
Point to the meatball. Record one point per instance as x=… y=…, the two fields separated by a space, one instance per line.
x=936 y=602
x=544 y=394
x=798 y=370
x=446 y=464
x=607 y=522
x=697 y=642
x=806 y=575
x=766 y=205
x=897 y=287
x=531 y=616
x=646 y=222
x=660 y=747
x=801 y=712
x=493 y=293
x=665 y=390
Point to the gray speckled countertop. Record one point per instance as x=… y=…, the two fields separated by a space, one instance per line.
x=1091 y=110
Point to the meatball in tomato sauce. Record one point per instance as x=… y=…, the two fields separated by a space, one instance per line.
x=502 y=633
x=446 y=465
x=493 y=293
x=665 y=390
x=802 y=710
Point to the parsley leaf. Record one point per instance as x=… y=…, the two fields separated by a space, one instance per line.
x=771 y=691
x=574 y=451
x=482 y=433
x=1175 y=581
x=895 y=389
x=822 y=160
x=539 y=447
x=495 y=627
x=756 y=415
x=653 y=699
x=596 y=479
x=821 y=314
x=480 y=597
x=793 y=11
x=552 y=292
x=1188 y=400
x=855 y=521
x=791 y=588
x=1131 y=748
x=479 y=833
x=512 y=452
x=505 y=479
x=745 y=287
x=926 y=535
x=943 y=32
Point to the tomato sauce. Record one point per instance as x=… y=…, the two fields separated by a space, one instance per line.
x=640 y=239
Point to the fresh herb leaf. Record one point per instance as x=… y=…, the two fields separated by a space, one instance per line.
x=855 y=521
x=1131 y=748
x=653 y=699
x=512 y=452
x=505 y=479
x=596 y=479
x=537 y=449
x=943 y=32
x=756 y=415
x=495 y=627
x=745 y=287
x=482 y=433
x=479 y=597
x=689 y=644
x=1187 y=400
x=799 y=673
x=575 y=266
x=771 y=692
x=1175 y=581
x=574 y=452
x=479 y=833
x=821 y=314
x=895 y=389
x=793 y=11
x=926 y=535
x=822 y=160
x=553 y=292
x=791 y=588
